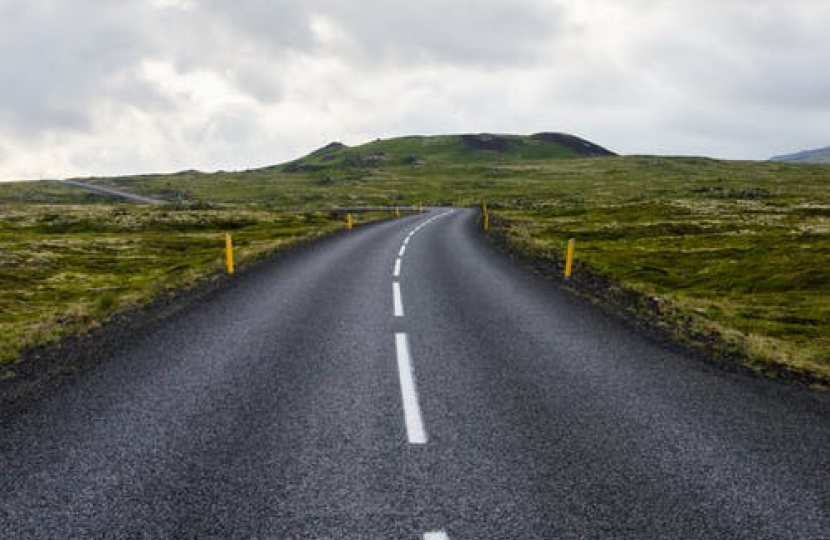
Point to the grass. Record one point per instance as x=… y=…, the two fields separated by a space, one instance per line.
x=66 y=268
x=754 y=273
x=728 y=248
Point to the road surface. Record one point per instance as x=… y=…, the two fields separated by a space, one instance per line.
x=132 y=197
x=408 y=381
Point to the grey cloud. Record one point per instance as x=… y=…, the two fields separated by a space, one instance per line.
x=56 y=57
x=485 y=32
x=233 y=125
x=276 y=24
x=794 y=84
x=60 y=58
x=246 y=42
x=695 y=73
x=763 y=53
x=489 y=32
x=221 y=34
x=258 y=78
x=130 y=89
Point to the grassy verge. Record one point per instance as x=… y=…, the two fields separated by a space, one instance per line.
x=740 y=273
x=65 y=269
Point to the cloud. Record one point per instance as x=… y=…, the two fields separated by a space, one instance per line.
x=136 y=85
x=486 y=32
x=58 y=58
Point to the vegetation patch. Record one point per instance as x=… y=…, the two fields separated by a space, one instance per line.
x=738 y=282
x=65 y=269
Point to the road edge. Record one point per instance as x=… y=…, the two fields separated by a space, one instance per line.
x=41 y=368
x=654 y=318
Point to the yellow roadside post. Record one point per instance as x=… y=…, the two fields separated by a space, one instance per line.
x=229 y=253
x=397 y=212
x=485 y=216
x=569 y=261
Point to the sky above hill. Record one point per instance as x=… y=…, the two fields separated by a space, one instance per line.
x=89 y=87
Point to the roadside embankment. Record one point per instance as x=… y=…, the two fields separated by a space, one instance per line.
x=648 y=272
x=71 y=271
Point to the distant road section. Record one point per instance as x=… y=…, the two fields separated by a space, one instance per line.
x=114 y=192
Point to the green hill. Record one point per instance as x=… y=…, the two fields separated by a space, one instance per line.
x=382 y=172
x=447 y=149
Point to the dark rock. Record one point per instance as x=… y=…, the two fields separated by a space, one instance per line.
x=580 y=146
x=485 y=141
x=329 y=148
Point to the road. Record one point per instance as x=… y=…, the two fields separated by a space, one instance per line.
x=313 y=398
x=132 y=197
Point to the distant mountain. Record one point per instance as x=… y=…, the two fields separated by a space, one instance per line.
x=421 y=150
x=820 y=155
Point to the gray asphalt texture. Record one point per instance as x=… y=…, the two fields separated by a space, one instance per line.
x=271 y=409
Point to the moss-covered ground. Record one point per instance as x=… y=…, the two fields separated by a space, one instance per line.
x=66 y=268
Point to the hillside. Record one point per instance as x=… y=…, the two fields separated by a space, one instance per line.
x=375 y=173
x=820 y=155
x=470 y=148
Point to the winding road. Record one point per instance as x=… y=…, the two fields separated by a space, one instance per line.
x=406 y=380
x=112 y=192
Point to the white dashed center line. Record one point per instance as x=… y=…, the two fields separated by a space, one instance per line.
x=411 y=409
x=396 y=299
x=415 y=432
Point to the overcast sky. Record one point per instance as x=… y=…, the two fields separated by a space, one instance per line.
x=131 y=86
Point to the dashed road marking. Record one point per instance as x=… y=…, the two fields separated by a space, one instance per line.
x=415 y=432
x=411 y=409
x=397 y=301
x=436 y=535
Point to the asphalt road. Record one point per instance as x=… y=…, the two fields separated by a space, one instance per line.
x=112 y=192
x=311 y=398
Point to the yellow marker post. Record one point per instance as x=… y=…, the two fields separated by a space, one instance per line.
x=421 y=208
x=397 y=211
x=486 y=220
x=349 y=221
x=229 y=253
x=569 y=261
